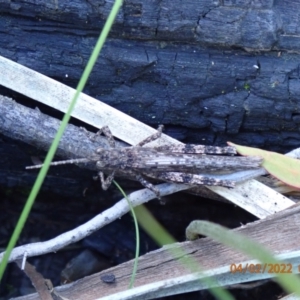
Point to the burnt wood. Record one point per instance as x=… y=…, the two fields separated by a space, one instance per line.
x=210 y=71
x=225 y=70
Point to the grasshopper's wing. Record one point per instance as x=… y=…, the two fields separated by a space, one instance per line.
x=195 y=163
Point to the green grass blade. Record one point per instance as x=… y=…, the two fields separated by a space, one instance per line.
x=51 y=153
x=152 y=227
x=162 y=237
x=137 y=234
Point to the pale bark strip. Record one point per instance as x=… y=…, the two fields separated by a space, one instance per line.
x=98 y=114
x=89 y=110
x=106 y=217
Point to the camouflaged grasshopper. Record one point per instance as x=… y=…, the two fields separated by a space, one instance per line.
x=174 y=163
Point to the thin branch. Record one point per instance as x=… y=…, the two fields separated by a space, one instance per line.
x=106 y=217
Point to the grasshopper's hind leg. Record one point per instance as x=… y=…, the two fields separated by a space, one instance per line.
x=152 y=137
x=148 y=185
x=194 y=179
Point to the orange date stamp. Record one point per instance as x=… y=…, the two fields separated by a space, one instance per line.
x=282 y=268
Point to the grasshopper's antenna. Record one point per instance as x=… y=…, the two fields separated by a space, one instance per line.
x=62 y=162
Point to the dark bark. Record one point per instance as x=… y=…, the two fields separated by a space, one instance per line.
x=178 y=64
x=31 y=127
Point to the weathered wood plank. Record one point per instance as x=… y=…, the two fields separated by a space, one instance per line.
x=278 y=233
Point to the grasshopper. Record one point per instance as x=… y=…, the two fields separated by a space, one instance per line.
x=173 y=163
